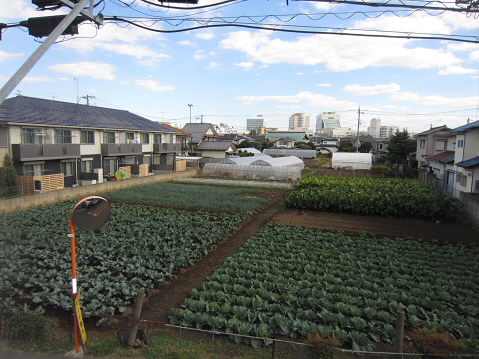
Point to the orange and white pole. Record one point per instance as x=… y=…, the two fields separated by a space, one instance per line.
x=74 y=283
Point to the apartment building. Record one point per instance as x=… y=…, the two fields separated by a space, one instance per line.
x=81 y=142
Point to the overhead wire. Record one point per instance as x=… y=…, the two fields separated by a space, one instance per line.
x=404 y=35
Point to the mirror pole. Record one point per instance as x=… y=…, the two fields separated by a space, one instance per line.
x=72 y=236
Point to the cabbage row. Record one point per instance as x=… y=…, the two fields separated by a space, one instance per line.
x=138 y=248
x=293 y=281
x=373 y=196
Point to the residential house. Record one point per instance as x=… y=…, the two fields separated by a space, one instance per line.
x=466 y=158
x=183 y=138
x=431 y=142
x=80 y=143
x=328 y=145
x=205 y=141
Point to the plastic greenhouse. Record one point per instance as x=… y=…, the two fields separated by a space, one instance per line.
x=263 y=168
x=278 y=152
x=358 y=161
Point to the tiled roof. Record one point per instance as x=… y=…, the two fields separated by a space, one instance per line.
x=433 y=129
x=36 y=111
x=198 y=130
x=467 y=127
x=440 y=156
x=181 y=131
x=471 y=163
x=215 y=145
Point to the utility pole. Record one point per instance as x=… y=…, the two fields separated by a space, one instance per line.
x=190 y=110
x=88 y=97
x=50 y=40
x=357 y=134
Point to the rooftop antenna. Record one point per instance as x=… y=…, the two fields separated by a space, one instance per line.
x=77 y=79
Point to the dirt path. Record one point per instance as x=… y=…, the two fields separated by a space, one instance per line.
x=173 y=292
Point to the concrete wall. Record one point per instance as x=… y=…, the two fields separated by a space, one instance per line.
x=41 y=199
x=471 y=207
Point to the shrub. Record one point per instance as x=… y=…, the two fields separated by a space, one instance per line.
x=435 y=342
x=33 y=327
x=324 y=347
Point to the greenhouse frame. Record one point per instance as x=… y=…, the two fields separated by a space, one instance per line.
x=253 y=172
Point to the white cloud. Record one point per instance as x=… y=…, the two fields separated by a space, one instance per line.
x=434 y=100
x=373 y=90
x=113 y=39
x=18 y=9
x=214 y=65
x=38 y=79
x=205 y=35
x=324 y=85
x=458 y=70
x=299 y=73
x=187 y=43
x=337 y=53
x=96 y=70
x=154 y=85
x=5 y=56
x=245 y=65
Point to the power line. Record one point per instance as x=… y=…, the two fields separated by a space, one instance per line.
x=404 y=35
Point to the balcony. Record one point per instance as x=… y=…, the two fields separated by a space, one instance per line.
x=167 y=147
x=121 y=149
x=36 y=152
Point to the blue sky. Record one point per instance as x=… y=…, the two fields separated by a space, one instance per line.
x=230 y=73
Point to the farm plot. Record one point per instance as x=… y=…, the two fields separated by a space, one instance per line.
x=372 y=196
x=199 y=197
x=139 y=247
x=292 y=281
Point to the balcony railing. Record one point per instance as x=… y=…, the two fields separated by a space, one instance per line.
x=121 y=149
x=35 y=152
x=166 y=147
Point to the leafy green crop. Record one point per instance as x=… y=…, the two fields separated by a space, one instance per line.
x=293 y=281
x=139 y=247
x=373 y=196
x=190 y=196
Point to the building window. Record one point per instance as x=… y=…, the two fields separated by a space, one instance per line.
x=461 y=179
x=31 y=136
x=157 y=138
x=130 y=137
x=33 y=170
x=67 y=168
x=87 y=137
x=109 y=166
x=460 y=143
x=109 y=137
x=87 y=166
x=422 y=143
x=63 y=136
x=145 y=138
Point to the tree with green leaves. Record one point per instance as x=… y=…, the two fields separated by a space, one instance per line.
x=400 y=146
x=365 y=147
x=9 y=177
x=346 y=146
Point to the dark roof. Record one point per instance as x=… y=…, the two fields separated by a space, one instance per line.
x=198 y=130
x=215 y=145
x=37 y=111
x=441 y=156
x=433 y=129
x=471 y=163
x=467 y=127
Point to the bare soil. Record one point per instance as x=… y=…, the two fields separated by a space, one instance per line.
x=172 y=293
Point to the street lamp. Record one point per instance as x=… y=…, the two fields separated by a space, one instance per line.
x=190 y=110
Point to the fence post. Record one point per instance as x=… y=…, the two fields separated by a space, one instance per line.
x=398 y=339
x=136 y=317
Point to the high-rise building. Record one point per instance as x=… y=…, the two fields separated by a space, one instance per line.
x=375 y=128
x=299 y=122
x=328 y=120
x=255 y=124
x=387 y=131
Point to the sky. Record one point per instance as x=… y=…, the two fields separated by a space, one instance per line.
x=228 y=74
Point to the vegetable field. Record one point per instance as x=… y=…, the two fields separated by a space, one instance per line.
x=373 y=196
x=199 y=197
x=139 y=247
x=294 y=280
